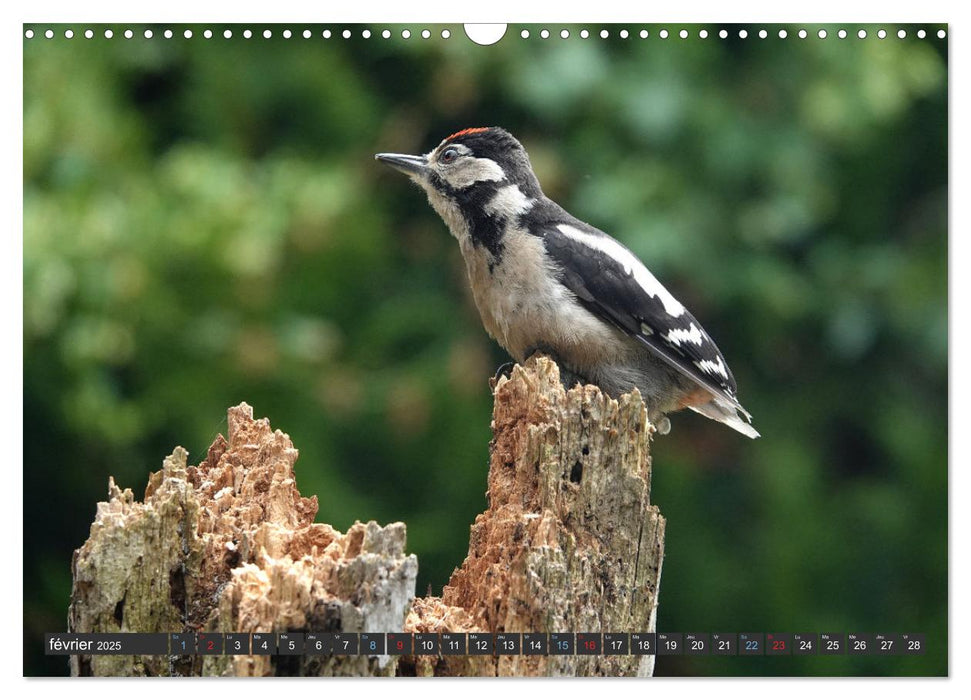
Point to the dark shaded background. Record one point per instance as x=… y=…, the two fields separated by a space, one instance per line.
x=204 y=224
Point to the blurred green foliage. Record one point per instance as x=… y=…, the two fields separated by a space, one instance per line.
x=204 y=224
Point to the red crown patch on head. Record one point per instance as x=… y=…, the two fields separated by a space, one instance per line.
x=466 y=132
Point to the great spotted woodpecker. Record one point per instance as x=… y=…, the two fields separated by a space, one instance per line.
x=544 y=281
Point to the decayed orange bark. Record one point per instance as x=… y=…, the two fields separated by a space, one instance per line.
x=231 y=546
x=570 y=541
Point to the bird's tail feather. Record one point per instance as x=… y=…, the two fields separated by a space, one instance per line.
x=724 y=412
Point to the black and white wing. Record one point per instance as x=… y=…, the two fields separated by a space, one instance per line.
x=611 y=282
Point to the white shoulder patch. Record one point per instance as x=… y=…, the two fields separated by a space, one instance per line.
x=630 y=263
x=509 y=202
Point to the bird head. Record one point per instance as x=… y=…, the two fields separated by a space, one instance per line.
x=466 y=170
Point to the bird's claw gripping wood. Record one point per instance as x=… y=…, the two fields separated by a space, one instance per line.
x=504 y=369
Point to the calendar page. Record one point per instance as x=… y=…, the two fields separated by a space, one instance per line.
x=584 y=349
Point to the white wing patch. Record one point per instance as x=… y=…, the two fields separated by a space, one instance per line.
x=692 y=334
x=630 y=263
x=716 y=366
x=509 y=202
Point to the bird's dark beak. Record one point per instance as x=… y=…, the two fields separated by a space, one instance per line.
x=409 y=165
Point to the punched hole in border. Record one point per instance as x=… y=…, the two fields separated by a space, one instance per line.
x=485 y=34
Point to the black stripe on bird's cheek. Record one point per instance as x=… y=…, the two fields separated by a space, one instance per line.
x=485 y=230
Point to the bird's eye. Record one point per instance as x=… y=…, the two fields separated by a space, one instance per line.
x=449 y=155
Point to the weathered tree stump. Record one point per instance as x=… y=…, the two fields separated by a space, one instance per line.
x=231 y=546
x=569 y=543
